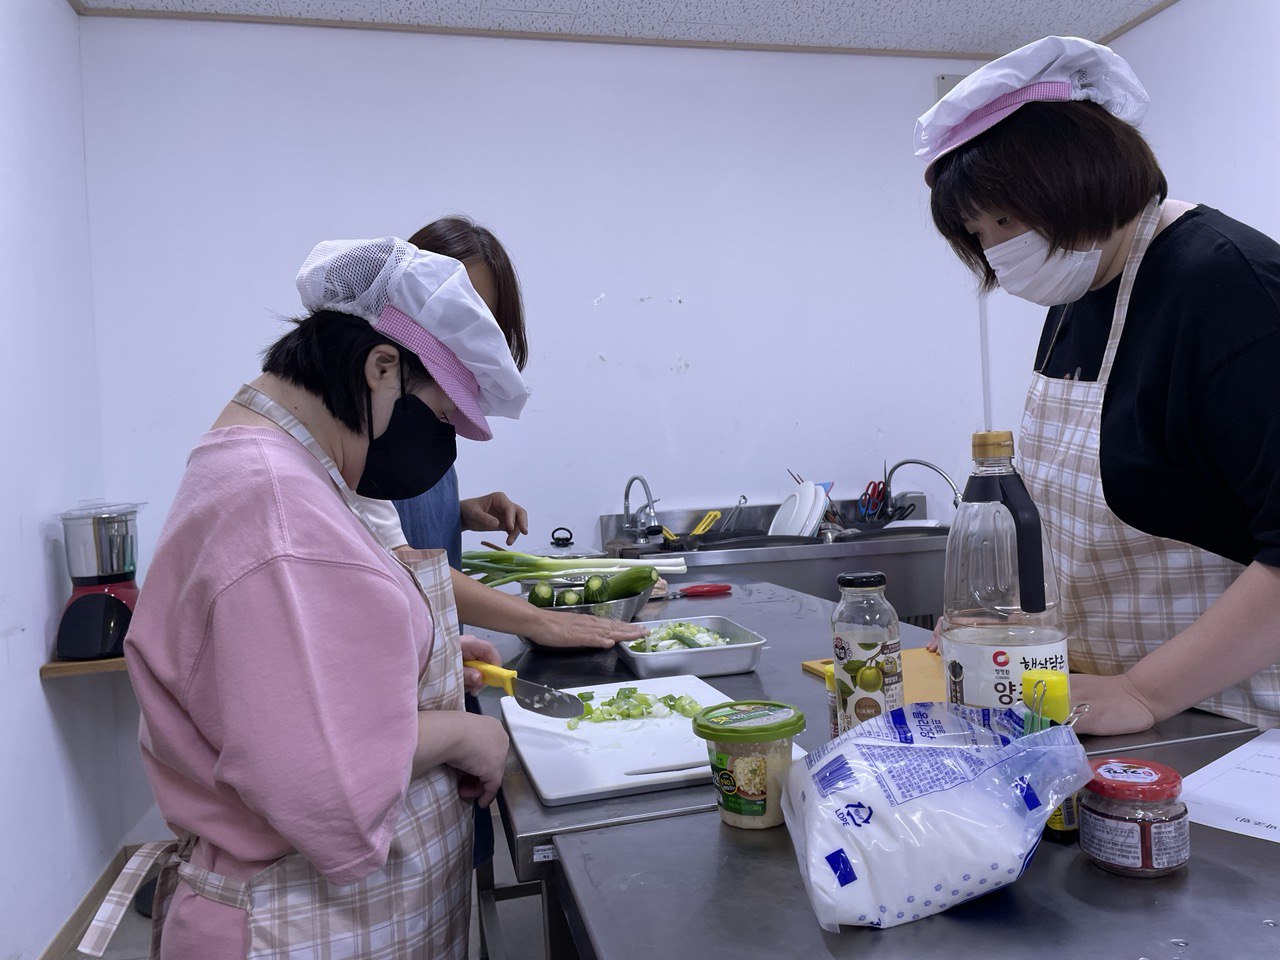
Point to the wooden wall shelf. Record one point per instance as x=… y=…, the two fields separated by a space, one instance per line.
x=74 y=668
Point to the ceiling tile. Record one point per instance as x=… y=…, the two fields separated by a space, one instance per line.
x=168 y=5
x=803 y=22
x=722 y=11
x=522 y=22
x=360 y=11
x=460 y=14
x=602 y=18
x=702 y=32
x=945 y=26
x=256 y=8
x=534 y=6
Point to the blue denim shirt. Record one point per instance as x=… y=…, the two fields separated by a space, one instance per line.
x=433 y=521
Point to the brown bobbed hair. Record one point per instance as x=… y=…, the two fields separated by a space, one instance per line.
x=1068 y=170
x=464 y=239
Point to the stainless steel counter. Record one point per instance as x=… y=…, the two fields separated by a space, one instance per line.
x=797 y=626
x=692 y=887
x=657 y=875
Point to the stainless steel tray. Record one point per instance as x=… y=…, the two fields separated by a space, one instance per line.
x=740 y=655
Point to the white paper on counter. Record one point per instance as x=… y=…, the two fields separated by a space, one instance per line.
x=1241 y=791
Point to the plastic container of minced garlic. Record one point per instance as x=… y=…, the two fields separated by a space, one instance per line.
x=749 y=744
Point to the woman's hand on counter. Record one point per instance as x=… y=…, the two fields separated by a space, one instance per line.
x=935 y=642
x=569 y=630
x=473 y=648
x=490 y=609
x=1115 y=706
x=1234 y=639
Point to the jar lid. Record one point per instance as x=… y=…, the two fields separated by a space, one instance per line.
x=1124 y=778
x=748 y=721
x=1057 y=693
x=865 y=578
x=98 y=510
x=992 y=443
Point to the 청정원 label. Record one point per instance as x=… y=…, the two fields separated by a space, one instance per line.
x=986 y=675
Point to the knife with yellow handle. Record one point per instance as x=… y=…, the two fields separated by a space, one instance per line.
x=532 y=696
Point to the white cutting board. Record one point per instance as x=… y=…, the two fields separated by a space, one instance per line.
x=607 y=759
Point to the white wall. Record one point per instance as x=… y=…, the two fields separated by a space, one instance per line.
x=60 y=803
x=1209 y=66
x=727 y=258
x=1215 y=129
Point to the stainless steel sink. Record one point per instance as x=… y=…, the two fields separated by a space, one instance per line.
x=910 y=558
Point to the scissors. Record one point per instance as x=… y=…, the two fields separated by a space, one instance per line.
x=871 y=501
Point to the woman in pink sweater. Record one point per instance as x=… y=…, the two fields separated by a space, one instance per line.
x=301 y=687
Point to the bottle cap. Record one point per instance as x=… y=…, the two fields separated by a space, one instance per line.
x=829 y=674
x=1057 y=693
x=865 y=578
x=993 y=443
x=1124 y=778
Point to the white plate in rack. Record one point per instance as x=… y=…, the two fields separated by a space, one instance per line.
x=813 y=521
x=793 y=515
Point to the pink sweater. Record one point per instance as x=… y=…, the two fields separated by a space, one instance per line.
x=275 y=651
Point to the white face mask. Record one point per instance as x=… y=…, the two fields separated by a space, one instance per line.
x=1025 y=268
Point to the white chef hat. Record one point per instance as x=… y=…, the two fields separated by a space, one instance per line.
x=1054 y=68
x=425 y=303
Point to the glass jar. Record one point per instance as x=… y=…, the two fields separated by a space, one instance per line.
x=1132 y=821
x=865 y=653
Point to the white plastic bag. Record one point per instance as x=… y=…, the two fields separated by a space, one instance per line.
x=922 y=808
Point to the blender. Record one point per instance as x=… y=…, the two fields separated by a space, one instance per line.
x=101 y=542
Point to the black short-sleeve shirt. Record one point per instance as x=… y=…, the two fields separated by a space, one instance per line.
x=1190 y=446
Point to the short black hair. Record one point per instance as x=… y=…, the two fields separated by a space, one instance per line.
x=1071 y=171
x=325 y=354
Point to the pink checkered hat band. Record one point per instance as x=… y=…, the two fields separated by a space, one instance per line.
x=454 y=378
x=988 y=115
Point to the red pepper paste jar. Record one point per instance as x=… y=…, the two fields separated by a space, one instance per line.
x=1132 y=821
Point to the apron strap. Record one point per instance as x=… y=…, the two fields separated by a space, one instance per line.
x=1141 y=240
x=215 y=887
x=103 y=926
x=265 y=406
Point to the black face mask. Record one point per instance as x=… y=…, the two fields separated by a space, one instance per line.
x=411 y=456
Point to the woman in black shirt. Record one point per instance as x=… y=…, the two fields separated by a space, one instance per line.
x=1151 y=438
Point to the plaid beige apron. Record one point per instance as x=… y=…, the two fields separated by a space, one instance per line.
x=417 y=906
x=1124 y=593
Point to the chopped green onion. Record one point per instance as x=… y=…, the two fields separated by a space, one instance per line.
x=630 y=704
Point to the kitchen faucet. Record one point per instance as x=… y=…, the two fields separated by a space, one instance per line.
x=645 y=523
x=888 y=478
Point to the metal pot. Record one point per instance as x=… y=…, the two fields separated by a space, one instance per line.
x=102 y=541
x=562 y=548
